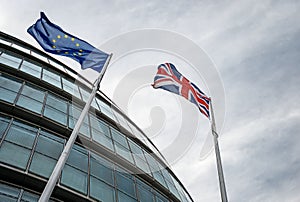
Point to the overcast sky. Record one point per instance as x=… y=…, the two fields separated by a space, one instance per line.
x=256 y=50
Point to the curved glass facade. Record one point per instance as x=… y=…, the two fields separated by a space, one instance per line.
x=40 y=102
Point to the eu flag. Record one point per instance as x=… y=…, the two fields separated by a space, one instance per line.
x=55 y=40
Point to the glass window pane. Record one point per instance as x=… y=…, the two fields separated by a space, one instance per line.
x=73 y=178
x=158 y=176
x=42 y=165
x=105 y=109
x=3 y=125
x=20 y=155
x=101 y=191
x=160 y=198
x=8 y=193
x=119 y=137
x=29 y=197
x=102 y=172
x=125 y=184
x=103 y=139
x=21 y=134
x=7 y=95
x=9 y=88
x=10 y=83
x=123 y=197
x=31 y=69
x=49 y=147
x=78 y=159
x=10 y=60
x=31 y=98
x=56 y=109
x=56 y=102
x=125 y=153
x=99 y=125
x=85 y=94
x=71 y=87
x=30 y=104
x=142 y=164
x=144 y=194
x=55 y=115
x=52 y=78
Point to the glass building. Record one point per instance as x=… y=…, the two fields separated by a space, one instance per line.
x=112 y=159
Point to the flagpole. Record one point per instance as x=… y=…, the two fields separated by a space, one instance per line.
x=67 y=149
x=218 y=156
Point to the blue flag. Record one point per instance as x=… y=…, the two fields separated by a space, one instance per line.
x=54 y=40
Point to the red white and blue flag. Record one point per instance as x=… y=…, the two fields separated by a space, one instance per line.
x=168 y=78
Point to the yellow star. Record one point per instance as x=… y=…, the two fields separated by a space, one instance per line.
x=58 y=36
x=80 y=50
x=53 y=40
x=72 y=39
x=74 y=54
x=66 y=36
x=77 y=44
x=66 y=52
x=53 y=46
x=79 y=54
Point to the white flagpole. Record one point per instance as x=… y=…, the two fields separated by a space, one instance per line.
x=218 y=156
x=67 y=149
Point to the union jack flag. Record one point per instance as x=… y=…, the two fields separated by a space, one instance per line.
x=168 y=78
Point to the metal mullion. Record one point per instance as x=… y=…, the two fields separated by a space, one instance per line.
x=59 y=179
x=20 y=195
x=44 y=103
x=32 y=150
x=89 y=173
x=19 y=93
x=19 y=67
x=6 y=131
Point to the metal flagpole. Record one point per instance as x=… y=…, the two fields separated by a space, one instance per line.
x=65 y=153
x=218 y=156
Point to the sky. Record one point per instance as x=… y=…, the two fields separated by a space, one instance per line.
x=248 y=54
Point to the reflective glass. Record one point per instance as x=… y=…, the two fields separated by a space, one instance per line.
x=101 y=190
x=8 y=193
x=102 y=172
x=52 y=78
x=3 y=125
x=49 y=147
x=21 y=134
x=78 y=158
x=125 y=184
x=10 y=60
x=119 y=137
x=99 y=125
x=29 y=197
x=105 y=109
x=74 y=178
x=9 y=88
x=142 y=164
x=103 y=139
x=84 y=93
x=125 y=153
x=158 y=176
x=123 y=197
x=56 y=109
x=136 y=150
x=70 y=87
x=160 y=198
x=122 y=121
x=31 y=98
x=145 y=195
x=31 y=69
x=20 y=155
x=42 y=165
